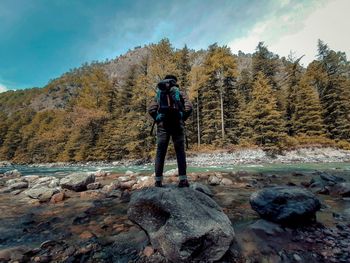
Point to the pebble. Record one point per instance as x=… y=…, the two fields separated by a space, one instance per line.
x=148 y=251
x=94 y=186
x=127 y=184
x=213 y=180
x=128 y=172
x=226 y=181
x=56 y=198
x=309 y=240
x=297 y=257
x=92 y=194
x=86 y=235
x=69 y=251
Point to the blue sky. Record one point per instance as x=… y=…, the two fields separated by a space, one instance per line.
x=41 y=39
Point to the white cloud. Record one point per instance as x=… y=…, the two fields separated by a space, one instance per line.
x=2 y=88
x=328 y=22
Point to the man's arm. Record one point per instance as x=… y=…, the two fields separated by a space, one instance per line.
x=187 y=105
x=153 y=108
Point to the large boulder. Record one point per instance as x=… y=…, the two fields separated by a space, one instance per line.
x=330 y=178
x=285 y=204
x=46 y=181
x=322 y=183
x=202 y=188
x=43 y=194
x=77 y=181
x=182 y=223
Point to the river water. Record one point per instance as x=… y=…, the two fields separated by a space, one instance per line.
x=60 y=171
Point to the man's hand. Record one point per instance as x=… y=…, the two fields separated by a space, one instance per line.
x=160 y=117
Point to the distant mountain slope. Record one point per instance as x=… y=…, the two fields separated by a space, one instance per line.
x=59 y=92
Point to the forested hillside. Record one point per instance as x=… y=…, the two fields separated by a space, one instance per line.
x=99 y=111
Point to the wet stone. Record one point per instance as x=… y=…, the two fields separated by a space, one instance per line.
x=81 y=219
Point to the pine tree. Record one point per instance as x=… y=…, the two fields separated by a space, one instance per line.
x=13 y=141
x=266 y=62
x=330 y=78
x=294 y=74
x=111 y=95
x=197 y=81
x=126 y=92
x=184 y=68
x=307 y=115
x=3 y=127
x=263 y=123
x=161 y=62
x=220 y=71
x=244 y=85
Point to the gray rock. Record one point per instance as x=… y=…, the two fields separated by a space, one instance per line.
x=77 y=181
x=14 y=181
x=318 y=187
x=94 y=186
x=47 y=181
x=297 y=174
x=14 y=184
x=213 y=180
x=5 y=163
x=5 y=190
x=128 y=173
x=344 y=216
x=13 y=254
x=115 y=193
x=19 y=185
x=16 y=192
x=31 y=178
x=112 y=186
x=286 y=205
x=342 y=189
x=346 y=213
x=127 y=184
x=266 y=227
x=43 y=194
x=226 y=181
x=12 y=174
x=320 y=183
x=297 y=258
x=202 y=188
x=183 y=224
x=331 y=178
x=101 y=173
x=123 y=178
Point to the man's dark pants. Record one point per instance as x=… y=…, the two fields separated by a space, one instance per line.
x=164 y=132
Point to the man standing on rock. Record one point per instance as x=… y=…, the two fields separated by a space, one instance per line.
x=170 y=109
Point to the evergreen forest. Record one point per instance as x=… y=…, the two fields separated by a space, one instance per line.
x=99 y=110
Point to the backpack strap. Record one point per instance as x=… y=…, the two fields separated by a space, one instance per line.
x=158 y=96
x=176 y=92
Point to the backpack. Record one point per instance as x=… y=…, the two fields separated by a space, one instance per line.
x=169 y=101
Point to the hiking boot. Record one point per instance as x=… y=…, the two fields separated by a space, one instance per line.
x=184 y=183
x=158 y=184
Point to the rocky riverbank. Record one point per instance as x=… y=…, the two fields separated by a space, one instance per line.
x=84 y=217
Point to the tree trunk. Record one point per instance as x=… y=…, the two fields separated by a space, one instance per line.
x=198 y=126
x=222 y=115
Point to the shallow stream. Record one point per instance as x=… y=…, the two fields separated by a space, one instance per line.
x=277 y=168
